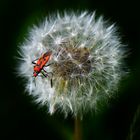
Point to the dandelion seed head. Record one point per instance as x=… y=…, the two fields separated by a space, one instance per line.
x=86 y=62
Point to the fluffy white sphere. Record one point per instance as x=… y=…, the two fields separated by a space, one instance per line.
x=85 y=65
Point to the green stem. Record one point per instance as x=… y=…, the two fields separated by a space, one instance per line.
x=77 y=131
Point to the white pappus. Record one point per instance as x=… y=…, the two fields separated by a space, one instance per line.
x=86 y=62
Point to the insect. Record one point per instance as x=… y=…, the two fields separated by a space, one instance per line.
x=40 y=63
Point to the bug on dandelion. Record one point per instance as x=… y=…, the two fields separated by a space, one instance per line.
x=40 y=63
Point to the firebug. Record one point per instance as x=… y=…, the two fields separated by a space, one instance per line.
x=40 y=63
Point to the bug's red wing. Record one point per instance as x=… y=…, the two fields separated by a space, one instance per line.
x=41 y=62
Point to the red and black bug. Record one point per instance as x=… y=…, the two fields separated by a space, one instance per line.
x=40 y=63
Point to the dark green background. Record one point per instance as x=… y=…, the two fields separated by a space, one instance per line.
x=20 y=118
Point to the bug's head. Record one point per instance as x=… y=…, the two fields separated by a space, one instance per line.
x=35 y=73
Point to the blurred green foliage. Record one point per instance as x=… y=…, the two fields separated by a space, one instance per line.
x=20 y=118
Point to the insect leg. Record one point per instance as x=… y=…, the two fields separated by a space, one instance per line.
x=48 y=65
x=47 y=73
x=33 y=62
x=44 y=74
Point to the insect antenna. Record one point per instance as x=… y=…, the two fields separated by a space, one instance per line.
x=34 y=80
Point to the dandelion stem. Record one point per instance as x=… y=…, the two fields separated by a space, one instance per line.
x=77 y=131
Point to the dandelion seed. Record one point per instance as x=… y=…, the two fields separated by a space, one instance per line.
x=85 y=65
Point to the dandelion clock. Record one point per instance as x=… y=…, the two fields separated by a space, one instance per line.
x=72 y=62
